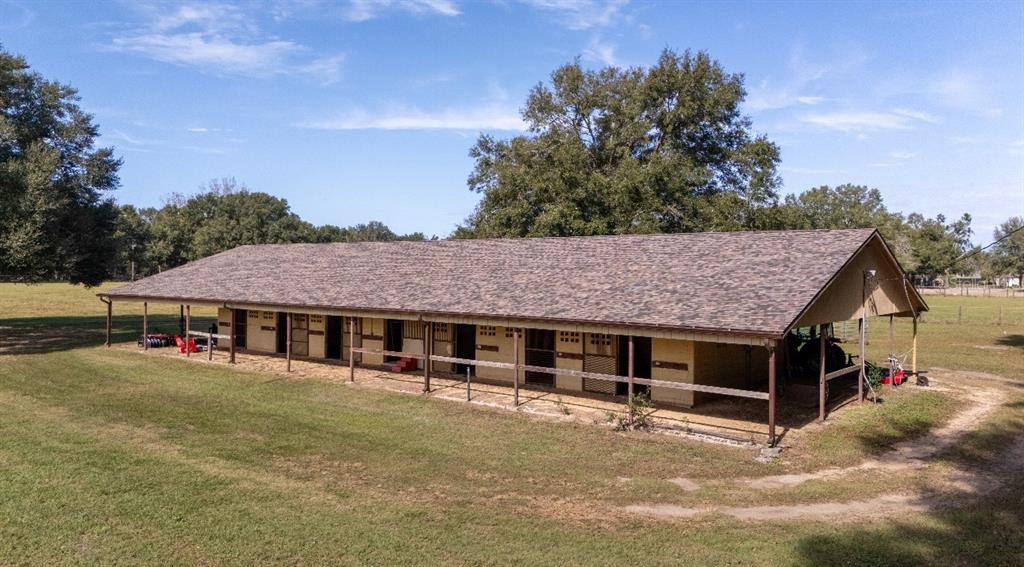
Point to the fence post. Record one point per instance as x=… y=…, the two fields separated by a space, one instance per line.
x=188 y=329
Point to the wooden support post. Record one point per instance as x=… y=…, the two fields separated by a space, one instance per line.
x=771 y=393
x=821 y=372
x=863 y=373
x=629 y=367
x=188 y=329
x=231 y=339
x=351 y=349
x=428 y=341
x=110 y=321
x=515 y=368
x=288 y=342
x=145 y=325
x=913 y=349
x=892 y=337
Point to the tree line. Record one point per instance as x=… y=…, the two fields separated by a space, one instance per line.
x=222 y=215
x=612 y=151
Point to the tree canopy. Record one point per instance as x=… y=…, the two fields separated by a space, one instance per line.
x=661 y=149
x=224 y=214
x=1008 y=252
x=56 y=221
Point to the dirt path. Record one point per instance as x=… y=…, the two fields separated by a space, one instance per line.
x=908 y=454
x=960 y=485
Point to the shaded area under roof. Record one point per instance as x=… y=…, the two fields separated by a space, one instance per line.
x=753 y=283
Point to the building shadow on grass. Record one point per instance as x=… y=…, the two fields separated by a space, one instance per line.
x=981 y=522
x=37 y=335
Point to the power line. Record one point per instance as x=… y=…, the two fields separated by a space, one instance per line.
x=986 y=247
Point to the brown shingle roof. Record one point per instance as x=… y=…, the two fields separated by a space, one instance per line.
x=735 y=282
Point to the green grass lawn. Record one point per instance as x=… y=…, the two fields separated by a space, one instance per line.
x=110 y=456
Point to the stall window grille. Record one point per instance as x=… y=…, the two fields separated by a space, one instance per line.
x=254 y=315
x=268 y=316
x=600 y=340
x=441 y=331
x=488 y=331
x=316 y=319
x=571 y=337
x=412 y=330
x=510 y=332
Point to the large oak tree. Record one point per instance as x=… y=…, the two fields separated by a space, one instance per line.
x=55 y=219
x=658 y=149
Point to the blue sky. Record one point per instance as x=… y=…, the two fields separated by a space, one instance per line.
x=364 y=110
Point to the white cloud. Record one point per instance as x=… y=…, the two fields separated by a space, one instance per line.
x=200 y=50
x=902 y=156
x=221 y=38
x=599 y=50
x=964 y=90
x=363 y=10
x=857 y=121
x=917 y=115
x=486 y=117
x=867 y=121
x=803 y=74
x=582 y=14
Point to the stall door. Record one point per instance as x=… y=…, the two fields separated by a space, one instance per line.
x=300 y=335
x=465 y=347
x=540 y=351
x=393 y=338
x=282 y=332
x=599 y=357
x=641 y=363
x=332 y=337
x=238 y=326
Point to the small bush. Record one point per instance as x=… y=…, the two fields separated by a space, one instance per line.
x=637 y=417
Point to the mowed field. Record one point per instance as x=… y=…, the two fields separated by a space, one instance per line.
x=109 y=455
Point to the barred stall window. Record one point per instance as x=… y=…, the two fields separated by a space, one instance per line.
x=268 y=315
x=441 y=332
x=412 y=330
x=568 y=337
x=488 y=330
x=510 y=331
x=253 y=315
x=600 y=340
x=316 y=319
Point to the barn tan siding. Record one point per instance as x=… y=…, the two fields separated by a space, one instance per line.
x=672 y=354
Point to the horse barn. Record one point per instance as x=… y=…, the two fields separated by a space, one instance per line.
x=685 y=317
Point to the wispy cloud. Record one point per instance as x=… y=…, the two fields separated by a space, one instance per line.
x=866 y=120
x=792 y=91
x=15 y=16
x=600 y=50
x=363 y=10
x=582 y=14
x=221 y=38
x=485 y=117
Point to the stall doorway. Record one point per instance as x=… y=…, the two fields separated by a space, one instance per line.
x=540 y=351
x=238 y=326
x=641 y=364
x=332 y=337
x=393 y=338
x=282 y=332
x=465 y=347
